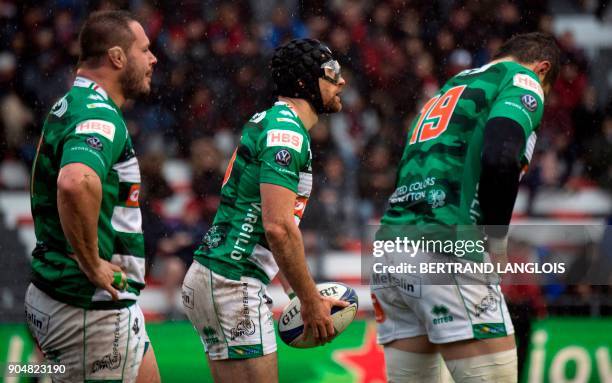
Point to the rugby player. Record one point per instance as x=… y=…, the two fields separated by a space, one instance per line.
x=461 y=165
x=255 y=231
x=89 y=263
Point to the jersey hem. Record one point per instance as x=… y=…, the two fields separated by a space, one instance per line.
x=76 y=301
x=224 y=270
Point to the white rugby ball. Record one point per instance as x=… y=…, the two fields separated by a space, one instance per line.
x=291 y=326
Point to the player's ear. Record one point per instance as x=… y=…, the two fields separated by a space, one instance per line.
x=542 y=68
x=117 y=57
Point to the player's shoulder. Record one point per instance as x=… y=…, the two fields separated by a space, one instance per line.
x=73 y=114
x=87 y=103
x=280 y=126
x=518 y=76
x=279 y=116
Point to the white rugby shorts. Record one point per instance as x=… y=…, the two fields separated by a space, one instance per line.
x=233 y=318
x=93 y=345
x=409 y=305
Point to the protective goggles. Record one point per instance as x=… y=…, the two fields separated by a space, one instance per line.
x=334 y=69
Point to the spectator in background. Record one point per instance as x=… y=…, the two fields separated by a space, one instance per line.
x=424 y=70
x=206 y=163
x=352 y=129
x=283 y=26
x=331 y=215
x=376 y=181
x=154 y=190
x=226 y=32
x=175 y=252
x=599 y=154
x=587 y=119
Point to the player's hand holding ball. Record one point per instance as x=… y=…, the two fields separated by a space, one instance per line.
x=317 y=321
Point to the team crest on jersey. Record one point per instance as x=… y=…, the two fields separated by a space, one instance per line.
x=257 y=117
x=436 y=198
x=60 y=107
x=529 y=102
x=94 y=143
x=283 y=157
x=214 y=237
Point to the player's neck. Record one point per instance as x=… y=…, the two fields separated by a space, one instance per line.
x=110 y=86
x=303 y=109
x=510 y=58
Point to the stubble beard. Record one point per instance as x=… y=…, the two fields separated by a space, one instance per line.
x=332 y=106
x=133 y=83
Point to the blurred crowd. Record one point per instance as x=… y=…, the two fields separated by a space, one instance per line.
x=212 y=76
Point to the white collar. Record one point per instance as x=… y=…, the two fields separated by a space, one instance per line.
x=277 y=103
x=83 y=82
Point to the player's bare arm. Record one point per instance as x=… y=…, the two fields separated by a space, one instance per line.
x=79 y=194
x=285 y=241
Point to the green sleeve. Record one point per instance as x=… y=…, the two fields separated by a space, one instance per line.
x=521 y=99
x=95 y=143
x=283 y=152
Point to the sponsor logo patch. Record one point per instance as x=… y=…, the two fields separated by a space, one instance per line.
x=283 y=157
x=287 y=138
x=37 y=320
x=526 y=82
x=94 y=143
x=300 y=206
x=442 y=314
x=110 y=361
x=101 y=127
x=210 y=336
x=60 y=107
x=530 y=102
x=132 y=200
x=187 y=296
x=100 y=105
x=136 y=326
x=257 y=117
x=245 y=326
x=488 y=303
x=107 y=362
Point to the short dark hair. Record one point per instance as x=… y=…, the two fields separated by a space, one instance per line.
x=535 y=46
x=103 y=30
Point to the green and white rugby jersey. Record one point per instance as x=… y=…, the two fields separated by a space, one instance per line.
x=437 y=181
x=85 y=126
x=274 y=148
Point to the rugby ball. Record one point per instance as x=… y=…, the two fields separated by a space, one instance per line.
x=291 y=327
